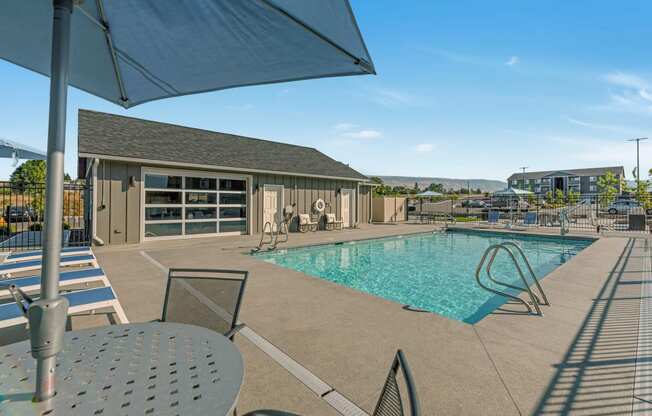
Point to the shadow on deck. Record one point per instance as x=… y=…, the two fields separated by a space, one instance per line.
x=600 y=373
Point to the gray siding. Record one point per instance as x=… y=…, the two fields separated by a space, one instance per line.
x=119 y=222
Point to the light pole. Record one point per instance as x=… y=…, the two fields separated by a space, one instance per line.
x=638 y=161
x=523 y=169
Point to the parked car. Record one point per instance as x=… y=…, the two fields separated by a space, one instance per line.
x=625 y=206
x=20 y=214
x=473 y=203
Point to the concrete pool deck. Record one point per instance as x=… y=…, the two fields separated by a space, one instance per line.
x=580 y=358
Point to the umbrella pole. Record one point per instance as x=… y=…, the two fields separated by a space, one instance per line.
x=48 y=315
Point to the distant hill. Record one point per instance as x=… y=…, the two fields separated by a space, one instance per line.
x=487 y=185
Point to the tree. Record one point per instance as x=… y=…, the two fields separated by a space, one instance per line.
x=608 y=187
x=549 y=198
x=436 y=187
x=29 y=173
x=642 y=195
x=573 y=197
x=29 y=178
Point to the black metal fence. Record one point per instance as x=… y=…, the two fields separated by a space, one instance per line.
x=579 y=212
x=21 y=217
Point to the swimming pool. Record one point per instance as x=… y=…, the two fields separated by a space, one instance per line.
x=433 y=271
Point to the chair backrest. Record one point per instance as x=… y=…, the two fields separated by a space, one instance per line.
x=494 y=216
x=304 y=219
x=330 y=217
x=390 y=402
x=210 y=298
x=530 y=217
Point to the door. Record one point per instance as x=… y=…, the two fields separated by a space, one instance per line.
x=346 y=203
x=272 y=204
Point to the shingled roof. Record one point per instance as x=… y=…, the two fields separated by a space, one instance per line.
x=126 y=137
x=616 y=170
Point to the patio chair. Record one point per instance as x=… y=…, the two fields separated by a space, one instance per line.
x=38 y=254
x=7 y=269
x=493 y=218
x=306 y=224
x=87 y=300
x=332 y=223
x=531 y=219
x=390 y=402
x=210 y=298
x=69 y=278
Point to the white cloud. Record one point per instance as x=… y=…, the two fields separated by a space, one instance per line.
x=344 y=126
x=633 y=95
x=513 y=61
x=605 y=127
x=365 y=134
x=627 y=80
x=424 y=148
x=392 y=98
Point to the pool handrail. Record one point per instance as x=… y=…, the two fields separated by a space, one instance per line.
x=494 y=248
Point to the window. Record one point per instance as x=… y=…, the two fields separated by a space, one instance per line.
x=593 y=178
x=537 y=181
x=593 y=188
x=232 y=185
x=514 y=181
x=193 y=204
x=201 y=183
x=163 y=182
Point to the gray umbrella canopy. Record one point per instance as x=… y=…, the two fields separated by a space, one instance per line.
x=133 y=51
x=13 y=150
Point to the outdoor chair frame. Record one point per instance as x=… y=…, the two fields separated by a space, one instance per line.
x=334 y=224
x=390 y=402
x=309 y=225
x=209 y=274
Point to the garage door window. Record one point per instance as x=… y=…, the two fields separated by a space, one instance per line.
x=185 y=205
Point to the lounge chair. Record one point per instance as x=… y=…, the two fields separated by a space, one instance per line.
x=306 y=224
x=210 y=298
x=68 y=278
x=37 y=254
x=80 y=301
x=390 y=402
x=332 y=223
x=7 y=269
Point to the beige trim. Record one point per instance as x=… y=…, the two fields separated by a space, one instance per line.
x=215 y=167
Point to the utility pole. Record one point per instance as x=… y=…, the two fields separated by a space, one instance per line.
x=638 y=161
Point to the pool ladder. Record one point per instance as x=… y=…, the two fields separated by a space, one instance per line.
x=274 y=240
x=510 y=247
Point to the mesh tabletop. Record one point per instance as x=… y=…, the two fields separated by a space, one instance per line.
x=135 y=369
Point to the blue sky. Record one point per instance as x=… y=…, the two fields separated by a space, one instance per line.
x=465 y=89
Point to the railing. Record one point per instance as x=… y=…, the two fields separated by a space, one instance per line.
x=492 y=251
x=577 y=213
x=22 y=211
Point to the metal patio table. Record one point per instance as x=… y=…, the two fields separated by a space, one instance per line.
x=134 y=369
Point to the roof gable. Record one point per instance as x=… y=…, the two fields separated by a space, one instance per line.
x=131 y=138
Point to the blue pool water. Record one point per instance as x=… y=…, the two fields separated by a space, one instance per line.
x=433 y=271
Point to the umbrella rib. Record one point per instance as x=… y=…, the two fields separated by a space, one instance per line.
x=114 y=57
x=356 y=60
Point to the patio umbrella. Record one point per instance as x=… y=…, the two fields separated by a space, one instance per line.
x=133 y=51
x=512 y=192
x=428 y=194
x=16 y=151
